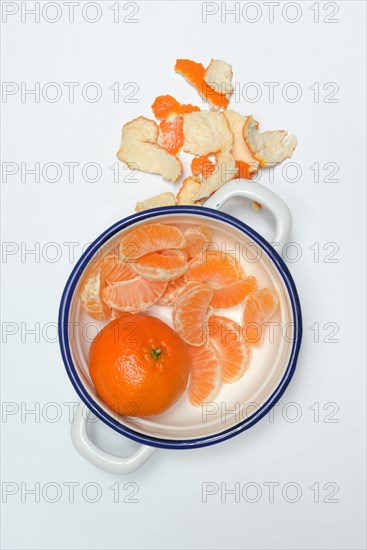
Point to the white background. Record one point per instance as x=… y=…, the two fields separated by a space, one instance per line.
x=170 y=512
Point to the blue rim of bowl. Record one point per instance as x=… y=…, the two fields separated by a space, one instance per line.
x=64 y=339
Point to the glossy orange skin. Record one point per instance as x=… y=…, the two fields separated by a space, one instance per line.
x=126 y=371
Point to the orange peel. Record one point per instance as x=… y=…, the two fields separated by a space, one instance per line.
x=218 y=76
x=166 y=106
x=206 y=132
x=188 y=191
x=140 y=151
x=171 y=136
x=271 y=147
x=225 y=171
x=247 y=164
x=195 y=75
x=163 y=199
x=202 y=166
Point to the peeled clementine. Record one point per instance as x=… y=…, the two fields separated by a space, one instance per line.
x=139 y=365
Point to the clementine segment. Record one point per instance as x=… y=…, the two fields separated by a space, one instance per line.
x=139 y=365
x=190 y=314
x=205 y=377
x=150 y=238
x=235 y=354
x=173 y=290
x=259 y=308
x=116 y=271
x=133 y=295
x=197 y=239
x=100 y=272
x=161 y=266
x=91 y=298
x=233 y=294
x=214 y=268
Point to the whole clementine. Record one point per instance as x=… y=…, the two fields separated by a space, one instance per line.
x=139 y=365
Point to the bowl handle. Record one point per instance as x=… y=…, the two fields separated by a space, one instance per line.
x=258 y=193
x=102 y=459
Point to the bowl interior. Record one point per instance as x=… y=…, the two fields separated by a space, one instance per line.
x=235 y=402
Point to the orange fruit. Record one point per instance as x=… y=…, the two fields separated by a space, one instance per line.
x=214 y=268
x=233 y=294
x=259 y=308
x=150 y=238
x=205 y=377
x=133 y=295
x=194 y=74
x=235 y=354
x=190 y=314
x=161 y=266
x=202 y=166
x=196 y=239
x=173 y=290
x=165 y=106
x=172 y=136
x=139 y=365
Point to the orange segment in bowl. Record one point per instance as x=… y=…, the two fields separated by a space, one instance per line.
x=190 y=314
x=91 y=290
x=161 y=266
x=196 y=239
x=235 y=354
x=205 y=377
x=215 y=268
x=105 y=270
x=233 y=294
x=115 y=271
x=134 y=295
x=173 y=290
x=259 y=308
x=150 y=238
